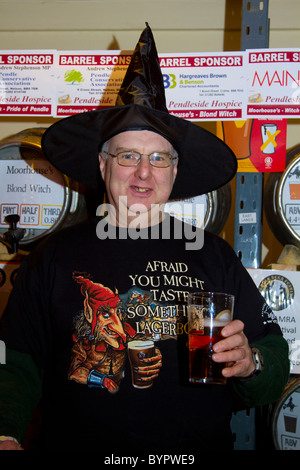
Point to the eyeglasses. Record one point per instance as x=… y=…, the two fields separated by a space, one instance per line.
x=133 y=158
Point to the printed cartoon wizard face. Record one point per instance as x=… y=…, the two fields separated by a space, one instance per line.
x=102 y=311
x=100 y=337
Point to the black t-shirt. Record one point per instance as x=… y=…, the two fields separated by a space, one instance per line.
x=77 y=302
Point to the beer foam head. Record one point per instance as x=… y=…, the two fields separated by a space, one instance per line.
x=221 y=319
x=138 y=344
x=216 y=322
x=224 y=316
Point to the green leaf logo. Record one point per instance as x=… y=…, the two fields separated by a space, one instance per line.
x=73 y=76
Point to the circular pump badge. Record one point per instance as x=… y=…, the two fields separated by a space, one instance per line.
x=278 y=291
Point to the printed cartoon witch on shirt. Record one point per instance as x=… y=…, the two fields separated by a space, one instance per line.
x=100 y=340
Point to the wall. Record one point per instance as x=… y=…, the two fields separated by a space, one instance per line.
x=178 y=26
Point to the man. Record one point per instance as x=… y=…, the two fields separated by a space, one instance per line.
x=87 y=292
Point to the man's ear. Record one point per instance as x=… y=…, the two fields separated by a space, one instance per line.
x=102 y=165
x=174 y=173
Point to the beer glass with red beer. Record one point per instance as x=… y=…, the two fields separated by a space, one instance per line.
x=208 y=313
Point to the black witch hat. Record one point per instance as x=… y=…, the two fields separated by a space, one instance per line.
x=72 y=144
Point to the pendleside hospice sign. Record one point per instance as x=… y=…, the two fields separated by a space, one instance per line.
x=88 y=80
x=26 y=82
x=206 y=86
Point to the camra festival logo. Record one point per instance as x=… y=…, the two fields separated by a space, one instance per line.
x=278 y=291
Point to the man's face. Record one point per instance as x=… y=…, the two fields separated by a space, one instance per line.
x=142 y=185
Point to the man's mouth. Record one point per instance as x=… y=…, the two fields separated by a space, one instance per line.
x=138 y=189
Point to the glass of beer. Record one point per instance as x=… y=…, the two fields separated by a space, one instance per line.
x=137 y=351
x=208 y=313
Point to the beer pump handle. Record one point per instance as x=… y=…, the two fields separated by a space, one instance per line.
x=12 y=237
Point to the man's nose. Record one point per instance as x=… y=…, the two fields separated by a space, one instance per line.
x=144 y=169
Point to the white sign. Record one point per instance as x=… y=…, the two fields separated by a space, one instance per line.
x=88 y=80
x=26 y=82
x=273 y=83
x=282 y=293
x=205 y=86
x=33 y=189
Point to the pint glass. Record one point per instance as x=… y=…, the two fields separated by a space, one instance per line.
x=208 y=313
x=137 y=351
